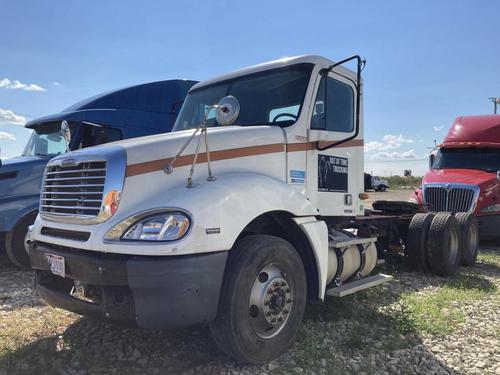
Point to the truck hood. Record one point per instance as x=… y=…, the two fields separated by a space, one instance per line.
x=22 y=175
x=464 y=176
x=224 y=143
x=13 y=163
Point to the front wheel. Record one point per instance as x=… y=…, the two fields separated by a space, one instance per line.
x=15 y=242
x=470 y=238
x=262 y=300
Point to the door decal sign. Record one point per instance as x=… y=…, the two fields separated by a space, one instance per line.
x=297 y=177
x=333 y=173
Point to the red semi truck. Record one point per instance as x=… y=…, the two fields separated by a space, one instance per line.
x=464 y=174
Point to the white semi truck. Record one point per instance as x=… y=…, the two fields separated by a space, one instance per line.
x=250 y=208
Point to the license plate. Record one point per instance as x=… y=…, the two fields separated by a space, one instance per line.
x=56 y=264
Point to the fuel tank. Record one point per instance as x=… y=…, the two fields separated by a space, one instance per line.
x=345 y=260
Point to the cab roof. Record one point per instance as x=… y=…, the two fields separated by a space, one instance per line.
x=481 y=130
x=152 y=99
x=320 y=61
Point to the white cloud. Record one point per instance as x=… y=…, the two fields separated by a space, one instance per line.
x=7 y=136
x=9 y=117
x=55 y=83
x=382 y=155
x=389 y=142
x=438 y=128
x=17 y=85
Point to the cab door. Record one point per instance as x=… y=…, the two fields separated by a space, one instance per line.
x=333 y=173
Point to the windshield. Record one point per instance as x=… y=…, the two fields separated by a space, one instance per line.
x=272 y=97
x=487 y=159
x=45 y=141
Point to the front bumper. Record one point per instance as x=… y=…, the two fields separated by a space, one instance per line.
x=151 y=292
x=489 y=226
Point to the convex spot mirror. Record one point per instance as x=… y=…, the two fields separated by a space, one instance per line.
x=228 y=109
x=432 y=156
x=66 y=132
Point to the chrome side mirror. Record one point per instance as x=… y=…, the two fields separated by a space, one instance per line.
x=66 y=132
x=228 y=109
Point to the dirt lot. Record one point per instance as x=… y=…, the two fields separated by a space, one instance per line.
x=416 y=324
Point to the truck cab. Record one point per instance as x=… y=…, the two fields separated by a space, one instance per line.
x=251 y=207
x=464 y=173
x=126 y=113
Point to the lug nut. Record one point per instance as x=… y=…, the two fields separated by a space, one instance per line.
x=269 y=313
x=275 y=284
x=273 y=320
x=280 y=319
x=289 y=300
x=283 y=283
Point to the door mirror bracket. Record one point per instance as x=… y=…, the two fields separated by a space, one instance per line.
x=324 y=72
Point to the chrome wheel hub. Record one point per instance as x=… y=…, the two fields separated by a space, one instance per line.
x=270 y=302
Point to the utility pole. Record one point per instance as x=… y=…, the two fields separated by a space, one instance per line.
x=496 y=102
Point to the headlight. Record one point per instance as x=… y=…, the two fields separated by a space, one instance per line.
x=152 y=225
x=490 y=209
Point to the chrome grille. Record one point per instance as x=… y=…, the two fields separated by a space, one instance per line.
x=450 y=198
x=75 y=190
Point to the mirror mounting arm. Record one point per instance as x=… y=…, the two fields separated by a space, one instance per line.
x=360 y=66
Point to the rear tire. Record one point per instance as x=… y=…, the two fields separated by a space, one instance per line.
x=14 y=242
x=264 y=281
x=443 y=245
x=469 y=244
x=416 y=244
x=383 y=188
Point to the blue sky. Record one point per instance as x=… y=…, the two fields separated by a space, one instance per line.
x=428 y=61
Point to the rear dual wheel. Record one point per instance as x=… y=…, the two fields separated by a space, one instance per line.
x=262 y=300
x=443 y=244
x=439 y=243
x=416 y=244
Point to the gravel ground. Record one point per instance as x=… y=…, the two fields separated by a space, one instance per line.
x=416 y=324
x=365 y=333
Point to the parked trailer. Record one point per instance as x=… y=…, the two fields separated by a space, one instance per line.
x=250 y=208
x=375 y=183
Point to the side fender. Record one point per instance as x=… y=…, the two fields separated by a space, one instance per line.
x=316 y=232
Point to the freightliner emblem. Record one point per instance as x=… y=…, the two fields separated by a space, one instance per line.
x=68 y=163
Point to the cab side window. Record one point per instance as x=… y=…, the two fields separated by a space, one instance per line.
x=334 y=107
x=93 y=136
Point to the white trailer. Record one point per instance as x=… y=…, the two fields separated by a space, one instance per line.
x=250 y=208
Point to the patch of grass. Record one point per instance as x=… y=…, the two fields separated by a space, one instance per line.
x=436 y=312
x=490 y=258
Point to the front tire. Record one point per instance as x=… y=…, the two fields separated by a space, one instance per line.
x=469 y=245
x=262 y=300
x=14 y=242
